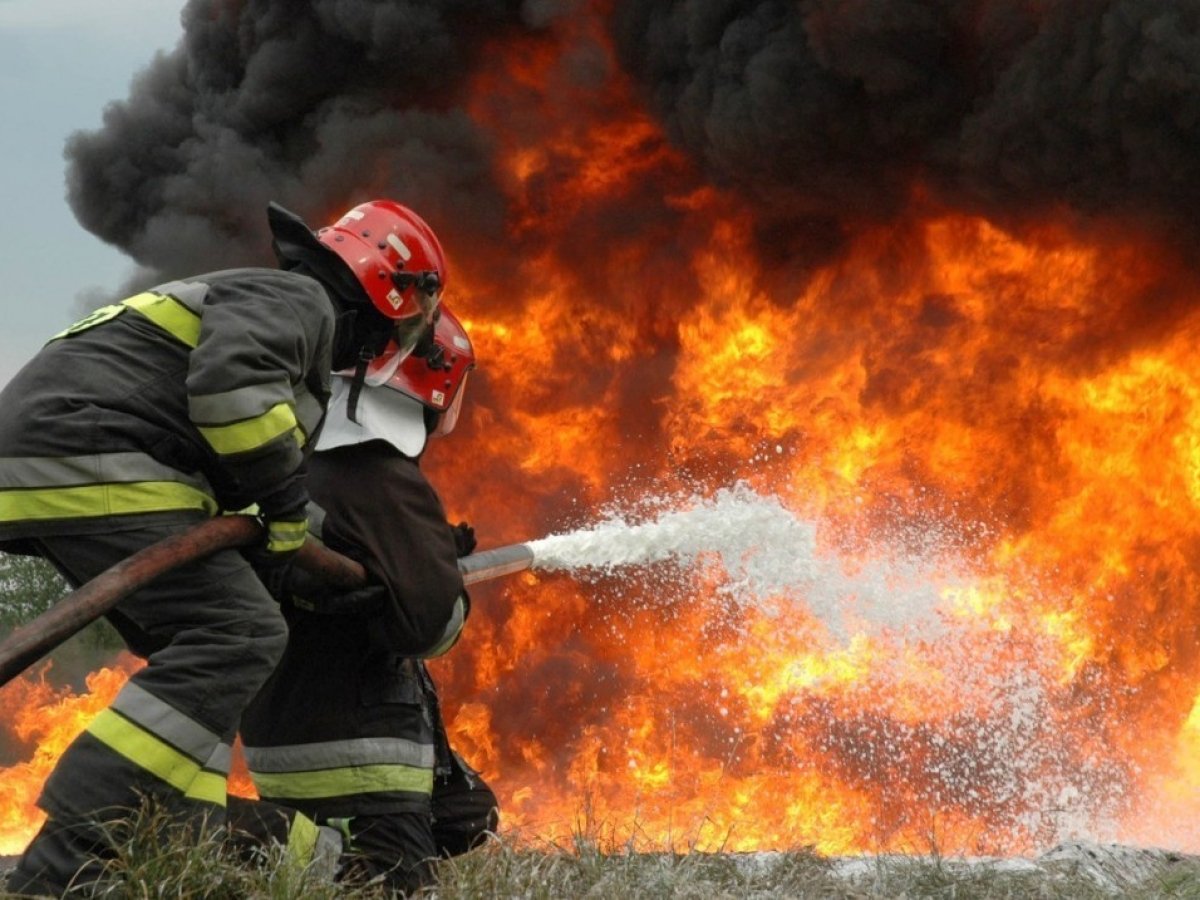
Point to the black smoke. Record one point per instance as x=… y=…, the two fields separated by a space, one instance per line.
x=315 y=105
x=820 y=114
x=826 y=110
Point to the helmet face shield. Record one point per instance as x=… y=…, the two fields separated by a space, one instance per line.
x=407 y=333
x=383 y=366
x=436 y=373
x=448 y=419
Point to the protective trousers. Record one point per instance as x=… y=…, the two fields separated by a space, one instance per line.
x=211 y=634
x=394 y=849
x=398 y=849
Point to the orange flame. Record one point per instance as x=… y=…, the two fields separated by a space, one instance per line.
x=1020 y=396
x=42 y=718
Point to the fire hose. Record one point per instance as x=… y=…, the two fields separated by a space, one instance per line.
x=33 y=640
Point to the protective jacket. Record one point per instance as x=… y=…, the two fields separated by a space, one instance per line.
x=192 y=397
x=346 y=725
x=195 y=396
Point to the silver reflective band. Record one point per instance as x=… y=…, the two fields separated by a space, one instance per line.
x=180 y=731
x=340 y=754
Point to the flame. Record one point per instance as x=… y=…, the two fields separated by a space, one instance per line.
x=1080 y=473
x=1018 y=395
x=42 y=719
x=994 y=426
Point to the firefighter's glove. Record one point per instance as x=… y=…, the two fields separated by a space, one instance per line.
x=284 y=517
x=324 y=600
x=283 y=536
x=464 y=539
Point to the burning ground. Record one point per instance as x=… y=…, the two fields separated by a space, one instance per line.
x=918 y=272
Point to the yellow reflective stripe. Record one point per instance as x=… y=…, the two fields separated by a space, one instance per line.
x=160 y=759
x=301 y=840
x=168 y=314
x=103 y=314
x=210 y=787
x=93 y=500
x=343 y=782
x=341 y=754
x=284 y=536
x=274 y=546
x=251 y=433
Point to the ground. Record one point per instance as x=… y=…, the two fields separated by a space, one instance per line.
x=1075 y=869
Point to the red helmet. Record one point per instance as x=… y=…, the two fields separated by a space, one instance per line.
x=397 y=259
x=437 y=377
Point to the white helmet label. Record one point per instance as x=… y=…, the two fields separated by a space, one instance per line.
x=400 y=247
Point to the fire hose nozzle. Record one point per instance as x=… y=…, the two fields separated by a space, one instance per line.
x=494 y=563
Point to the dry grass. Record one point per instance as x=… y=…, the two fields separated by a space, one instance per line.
x=502 y=870
x=153 y=858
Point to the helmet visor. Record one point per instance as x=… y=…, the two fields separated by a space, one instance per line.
x=405 y=336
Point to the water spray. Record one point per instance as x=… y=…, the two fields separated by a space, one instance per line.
x=761 y=551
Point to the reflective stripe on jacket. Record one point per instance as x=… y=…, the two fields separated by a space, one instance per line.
x=194 y=396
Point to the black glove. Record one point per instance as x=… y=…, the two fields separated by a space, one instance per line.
x=361 y=601
x=312 y=592
x=275 y=577
x=284 y=516
x=464 y=539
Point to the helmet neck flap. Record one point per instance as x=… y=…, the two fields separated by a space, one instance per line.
x=296 y=247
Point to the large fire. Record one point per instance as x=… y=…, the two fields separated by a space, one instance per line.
x=1014 y=403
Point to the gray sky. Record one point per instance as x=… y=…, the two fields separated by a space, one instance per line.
x=61 y=62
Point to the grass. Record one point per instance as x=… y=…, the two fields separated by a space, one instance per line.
x=501 y=870
x=149 y=855
x=154 y=858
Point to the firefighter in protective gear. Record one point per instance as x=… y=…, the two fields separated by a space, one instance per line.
x=347 y=729
x=194 y=398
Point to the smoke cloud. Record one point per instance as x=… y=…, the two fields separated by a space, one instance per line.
x=827 y=108
x=820 y=114
x=313 y=105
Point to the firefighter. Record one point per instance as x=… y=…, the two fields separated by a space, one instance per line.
x=347 y=729
x=194 y=398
